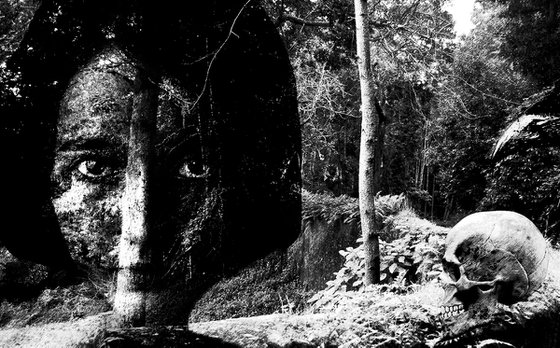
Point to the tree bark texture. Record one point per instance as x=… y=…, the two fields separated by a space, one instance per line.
x=368 y=141
x=134 y=252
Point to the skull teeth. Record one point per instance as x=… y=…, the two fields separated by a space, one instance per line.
x=450 y=311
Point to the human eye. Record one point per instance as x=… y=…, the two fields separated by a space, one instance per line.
x=93 y=168
x=185 y=156
x=193 y=168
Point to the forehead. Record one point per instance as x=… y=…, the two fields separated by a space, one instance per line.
x=99 y=100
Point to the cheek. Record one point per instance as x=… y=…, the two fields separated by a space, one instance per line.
x=86 y=199
x=90 y=218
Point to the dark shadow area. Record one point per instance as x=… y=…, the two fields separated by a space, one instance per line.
x=226 y=186
x=161 y=338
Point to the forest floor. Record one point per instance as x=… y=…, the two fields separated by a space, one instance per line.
x=398 y=314
x=378 y=316
x=269 y=287
x=388 y=315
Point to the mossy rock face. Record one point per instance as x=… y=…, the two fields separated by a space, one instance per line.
x=315 y=254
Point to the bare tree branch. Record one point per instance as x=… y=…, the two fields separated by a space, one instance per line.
x=211 y=64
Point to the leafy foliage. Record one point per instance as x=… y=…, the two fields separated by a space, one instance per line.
x=329 y=208
x=528 y=182
x=390 y=316
x=330 y=127
x=412 y=257
x=472 y=107
x=532 y=38
x=447 y=100
x=526 y=174
x=411 y=47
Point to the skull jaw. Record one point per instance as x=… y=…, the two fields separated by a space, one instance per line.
x=491 y=331
x=484 y=319
x=475 y=308
x=483 y=309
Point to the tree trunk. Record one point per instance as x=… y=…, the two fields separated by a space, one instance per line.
x=368 y=141
x=433 y=191
x=134 y=252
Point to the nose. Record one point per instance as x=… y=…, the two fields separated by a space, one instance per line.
x=463 y=283
x=134 y=251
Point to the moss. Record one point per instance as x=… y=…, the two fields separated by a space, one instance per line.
x=265 y=287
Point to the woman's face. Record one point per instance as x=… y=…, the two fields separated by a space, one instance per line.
x=90 y=162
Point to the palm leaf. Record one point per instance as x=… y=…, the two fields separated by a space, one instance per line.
x=520 y=125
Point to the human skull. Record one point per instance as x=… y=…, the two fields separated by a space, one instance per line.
x=491 y=259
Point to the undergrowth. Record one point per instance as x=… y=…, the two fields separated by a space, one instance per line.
x=412 y=257
x=54 y=305
x=25 y=300
x=389 y=315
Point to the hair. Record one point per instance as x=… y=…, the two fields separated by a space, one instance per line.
x=227 y=55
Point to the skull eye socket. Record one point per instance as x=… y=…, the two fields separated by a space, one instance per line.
x=452 y=270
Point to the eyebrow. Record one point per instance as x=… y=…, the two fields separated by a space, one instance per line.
x=82 y=144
